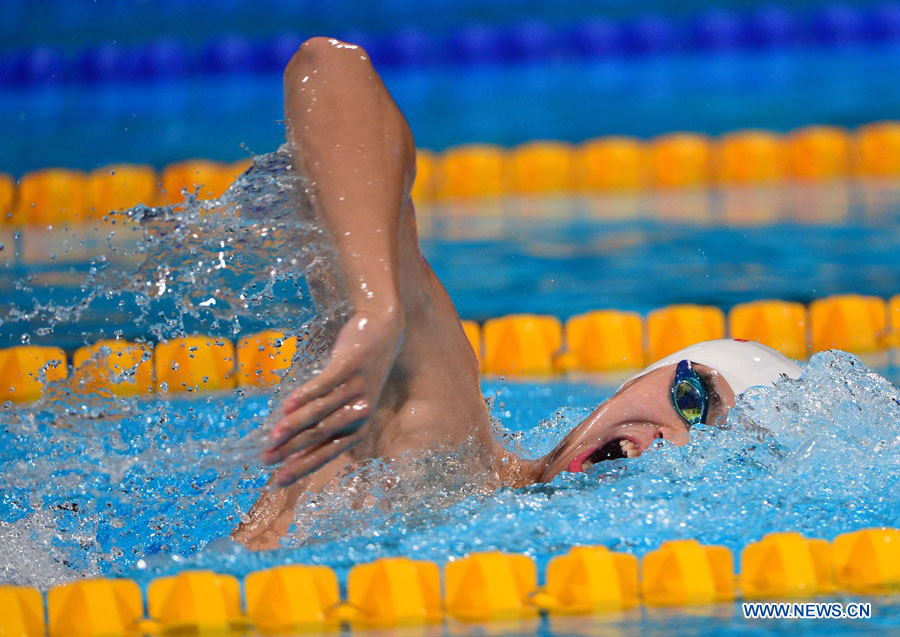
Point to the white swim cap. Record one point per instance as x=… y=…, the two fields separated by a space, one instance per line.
x=743 y=364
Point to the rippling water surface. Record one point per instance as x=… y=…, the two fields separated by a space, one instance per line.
x=142 y=487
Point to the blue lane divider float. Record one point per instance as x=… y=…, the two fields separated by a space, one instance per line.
x=770 y=27
x=527 y=40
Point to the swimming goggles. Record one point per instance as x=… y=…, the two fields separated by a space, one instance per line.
x=689 y=395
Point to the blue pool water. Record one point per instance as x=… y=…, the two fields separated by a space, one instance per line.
x=72 y=23
x=558 y=256
x=568 y=256
x=220 y=117
x=155 y=492
x=150 y=487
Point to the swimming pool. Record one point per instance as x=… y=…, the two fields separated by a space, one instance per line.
x=163 y=493
x=149 y=487
x=555 y=255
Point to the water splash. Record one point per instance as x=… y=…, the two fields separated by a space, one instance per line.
x=95 y=484
x=778 y=463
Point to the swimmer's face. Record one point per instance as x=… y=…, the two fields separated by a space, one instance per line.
x=627 y=424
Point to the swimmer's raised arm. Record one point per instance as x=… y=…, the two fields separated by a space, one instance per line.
x=353 y=144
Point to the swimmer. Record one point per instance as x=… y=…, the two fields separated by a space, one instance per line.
x=401 y=375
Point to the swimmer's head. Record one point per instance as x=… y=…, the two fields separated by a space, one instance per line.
x=697 y=384
x=743 y=364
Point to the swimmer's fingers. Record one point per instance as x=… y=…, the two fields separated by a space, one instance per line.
x=365 y=345
x=314 y=411
x=334 y=374
x=342 y=422
x=305 y=462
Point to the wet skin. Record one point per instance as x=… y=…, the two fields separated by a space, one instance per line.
x=402 y=375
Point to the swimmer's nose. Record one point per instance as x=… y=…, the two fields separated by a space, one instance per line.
x=675 y=432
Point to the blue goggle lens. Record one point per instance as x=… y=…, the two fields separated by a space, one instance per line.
x=689 y=395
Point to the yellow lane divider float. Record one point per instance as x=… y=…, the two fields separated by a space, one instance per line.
x=680 y=160
x=194 y=363
x=49 y=197
x=868 y=560
x=25 y=370
x=208 y=178
x=521 y=344
x=893 y=337
x=392 y=592
x=490 y=586
x=94 y=607
x=469 y=171
x=684 y=572
x=292 y=598
x=590 y=579
x=778 y=324
x=7 y=197
x=751 y=157
x=677 y=326
x=611 y=164
x=472 y=330
x=478 y=588
x=120 y=187
x=21 y=612
x=473 y=171
x=878 y=150
x=819 y=153
x=541 y=167
x=514 y=345
x=262 y=358
x=124 y=368
x=852 y=322
x=195 y=601
x=603 y=340
x=786 y=565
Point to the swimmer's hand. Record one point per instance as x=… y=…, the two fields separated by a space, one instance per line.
x=268 y=520
x=329 y=414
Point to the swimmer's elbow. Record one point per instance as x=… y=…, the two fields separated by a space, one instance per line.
x=332 y=87
x=320 y=53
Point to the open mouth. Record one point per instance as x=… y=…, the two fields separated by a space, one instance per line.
x=611 y=450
